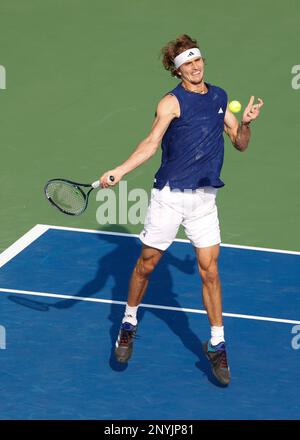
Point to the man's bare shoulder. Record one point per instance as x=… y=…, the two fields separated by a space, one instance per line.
x=168 y=105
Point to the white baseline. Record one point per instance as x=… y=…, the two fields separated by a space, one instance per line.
x=38 y=230
x=148 y=306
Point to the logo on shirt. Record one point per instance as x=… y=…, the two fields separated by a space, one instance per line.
x=220 y=111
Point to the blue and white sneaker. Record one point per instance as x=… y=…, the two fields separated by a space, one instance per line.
x=124 y=343
x=216 y=354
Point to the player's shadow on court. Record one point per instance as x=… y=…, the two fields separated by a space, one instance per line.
x=118 y=264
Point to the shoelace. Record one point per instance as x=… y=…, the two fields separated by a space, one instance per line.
x=126 y=335
x=223 y=362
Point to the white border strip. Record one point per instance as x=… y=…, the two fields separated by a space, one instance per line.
x=148 y=306
x=93 y=231
x=40 y=229
x=22 y=243
x=180 y=240
x=254 y=248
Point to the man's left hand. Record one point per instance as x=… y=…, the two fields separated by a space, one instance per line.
x=252 y=110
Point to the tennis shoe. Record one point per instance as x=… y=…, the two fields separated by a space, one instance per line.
x=216 y=354
x=124 y=343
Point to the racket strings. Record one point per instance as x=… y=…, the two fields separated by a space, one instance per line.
x=67 y=197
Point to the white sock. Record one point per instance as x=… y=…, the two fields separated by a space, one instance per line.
x=217 y=335
x=130 y=315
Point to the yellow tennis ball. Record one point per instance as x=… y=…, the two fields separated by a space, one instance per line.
x=235 y=106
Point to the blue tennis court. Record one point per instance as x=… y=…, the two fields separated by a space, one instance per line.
x=62 y=297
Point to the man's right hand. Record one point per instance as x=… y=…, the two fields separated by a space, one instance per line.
x=105 y=181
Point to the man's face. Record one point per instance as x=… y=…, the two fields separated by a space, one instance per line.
x=192 y=71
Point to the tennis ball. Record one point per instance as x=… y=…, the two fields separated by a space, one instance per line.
x=235 y=106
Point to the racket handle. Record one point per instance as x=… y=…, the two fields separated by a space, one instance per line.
x=96 y=184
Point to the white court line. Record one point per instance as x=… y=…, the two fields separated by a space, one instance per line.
x=40 y=229
x=22 y=243
x=180 y=240
x=148 y=306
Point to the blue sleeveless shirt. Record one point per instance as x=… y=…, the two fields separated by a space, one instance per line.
x=193 y=145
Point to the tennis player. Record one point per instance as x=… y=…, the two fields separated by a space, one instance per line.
x=189 y=125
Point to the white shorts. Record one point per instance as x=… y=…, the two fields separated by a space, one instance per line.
x=196 y=210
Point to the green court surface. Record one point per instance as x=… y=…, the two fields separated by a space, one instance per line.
x=82 y=82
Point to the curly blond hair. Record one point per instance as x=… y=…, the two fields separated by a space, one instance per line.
x=174 y=48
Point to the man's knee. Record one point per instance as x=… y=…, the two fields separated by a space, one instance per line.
x=147 y=263
x=209 y=272
x=209 y=276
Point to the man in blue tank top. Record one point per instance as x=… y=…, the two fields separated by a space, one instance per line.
x=189 y=125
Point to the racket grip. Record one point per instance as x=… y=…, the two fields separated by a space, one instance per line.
x=96 y=184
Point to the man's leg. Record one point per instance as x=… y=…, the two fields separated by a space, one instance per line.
x=161 y=225
x=145 y=265
x=212 y=300
x=211 y=290
x=141 y=273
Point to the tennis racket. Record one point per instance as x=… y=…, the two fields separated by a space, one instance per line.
x=70 y=197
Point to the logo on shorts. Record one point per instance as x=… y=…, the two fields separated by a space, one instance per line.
x=220 y=111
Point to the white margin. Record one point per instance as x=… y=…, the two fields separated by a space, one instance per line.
x=148 y=306
x=40 y=229
x=180 y=240
x=23 y=242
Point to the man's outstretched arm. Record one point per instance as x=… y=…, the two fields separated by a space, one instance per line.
x=240 y=133
x=167 y=110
